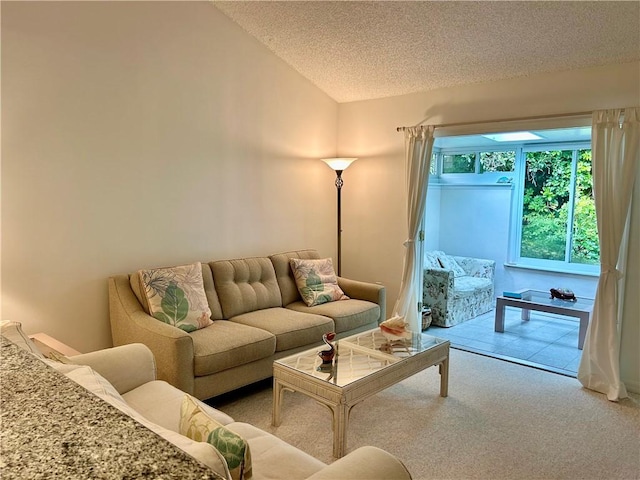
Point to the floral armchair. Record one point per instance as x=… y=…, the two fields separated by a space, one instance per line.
x=457 y=289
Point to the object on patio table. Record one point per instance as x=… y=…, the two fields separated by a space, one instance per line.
x=563 y=294
x=327 y=355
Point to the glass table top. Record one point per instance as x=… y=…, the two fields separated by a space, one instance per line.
x=544 y=298
x=359 y=355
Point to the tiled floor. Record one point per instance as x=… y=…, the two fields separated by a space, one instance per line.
x=547 y=341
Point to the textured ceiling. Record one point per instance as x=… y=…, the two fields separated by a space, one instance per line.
x=363 y=50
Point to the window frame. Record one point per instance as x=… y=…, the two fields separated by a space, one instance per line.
x=475 y=177
x=514 y=257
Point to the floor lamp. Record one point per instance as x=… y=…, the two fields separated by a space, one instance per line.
x=339 y=165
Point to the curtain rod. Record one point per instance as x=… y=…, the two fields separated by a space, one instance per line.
x=501 y=120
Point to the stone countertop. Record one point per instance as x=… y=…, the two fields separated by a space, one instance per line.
x=51 y=427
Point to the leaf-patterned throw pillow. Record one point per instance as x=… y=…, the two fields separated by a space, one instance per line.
x=176 y=296
x=198 y=426
x=316 y=281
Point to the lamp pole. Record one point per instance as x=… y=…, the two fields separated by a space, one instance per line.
x=339 y=183
x=339 y=165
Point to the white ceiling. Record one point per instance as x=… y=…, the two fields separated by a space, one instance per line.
x=364 y=49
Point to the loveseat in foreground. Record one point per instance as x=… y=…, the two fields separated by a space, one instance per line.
x=258 y=316
x=93 y=417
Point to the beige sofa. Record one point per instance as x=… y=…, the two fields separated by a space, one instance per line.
x=125 y=377
x=258 y=316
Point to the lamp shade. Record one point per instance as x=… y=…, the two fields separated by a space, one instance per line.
x=339 y=163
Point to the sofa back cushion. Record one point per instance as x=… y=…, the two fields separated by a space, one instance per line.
x=209 y=290
x=284 y=274
x=245 y=285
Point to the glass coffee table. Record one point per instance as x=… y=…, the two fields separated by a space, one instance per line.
x=364 y=364
x=542 y=302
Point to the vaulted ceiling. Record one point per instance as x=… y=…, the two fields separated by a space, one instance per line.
x=364 y=49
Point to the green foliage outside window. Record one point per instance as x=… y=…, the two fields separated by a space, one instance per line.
x=546 y=208
x=459 y=163
x=497 y=161
x=585 y=247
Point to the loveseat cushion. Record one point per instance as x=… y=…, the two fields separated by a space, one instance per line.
x=467 y=286
x=291 y=329
x=273 y=458
x=346 y=314
x=245 y=285
x=160 y=403
x=228 y=344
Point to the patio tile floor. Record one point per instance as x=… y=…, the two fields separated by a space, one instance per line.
x=546 y=341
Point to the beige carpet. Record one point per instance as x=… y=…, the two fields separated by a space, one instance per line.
x=500 y=421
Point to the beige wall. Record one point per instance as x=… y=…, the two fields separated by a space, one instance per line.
x=374 y=194
x=140 y=134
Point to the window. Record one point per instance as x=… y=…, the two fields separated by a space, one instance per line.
x=553 y=220
x=459 y=163
x=557 y=221
x=479 y=161
x=497 y=161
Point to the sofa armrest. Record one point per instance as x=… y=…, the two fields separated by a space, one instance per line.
x=477 y=267
x=371 y=292
x=172 y=347
x=125 y=367
x=365 y=463
x=439 y=279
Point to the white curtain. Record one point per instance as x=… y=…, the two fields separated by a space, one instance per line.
x=418 y=147
x=615 y=150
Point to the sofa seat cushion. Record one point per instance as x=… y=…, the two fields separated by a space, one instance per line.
x=227 y=344
x=467 y=286
x=160 y=403
x=274 y=459
x=346 y=314
x=292 y=329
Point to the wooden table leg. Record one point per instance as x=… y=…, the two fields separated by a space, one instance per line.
x=444 y=377
x=340 y=422
x=278 y=390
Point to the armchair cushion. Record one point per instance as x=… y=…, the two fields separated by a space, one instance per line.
x=273 y=458
x=160 y=403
